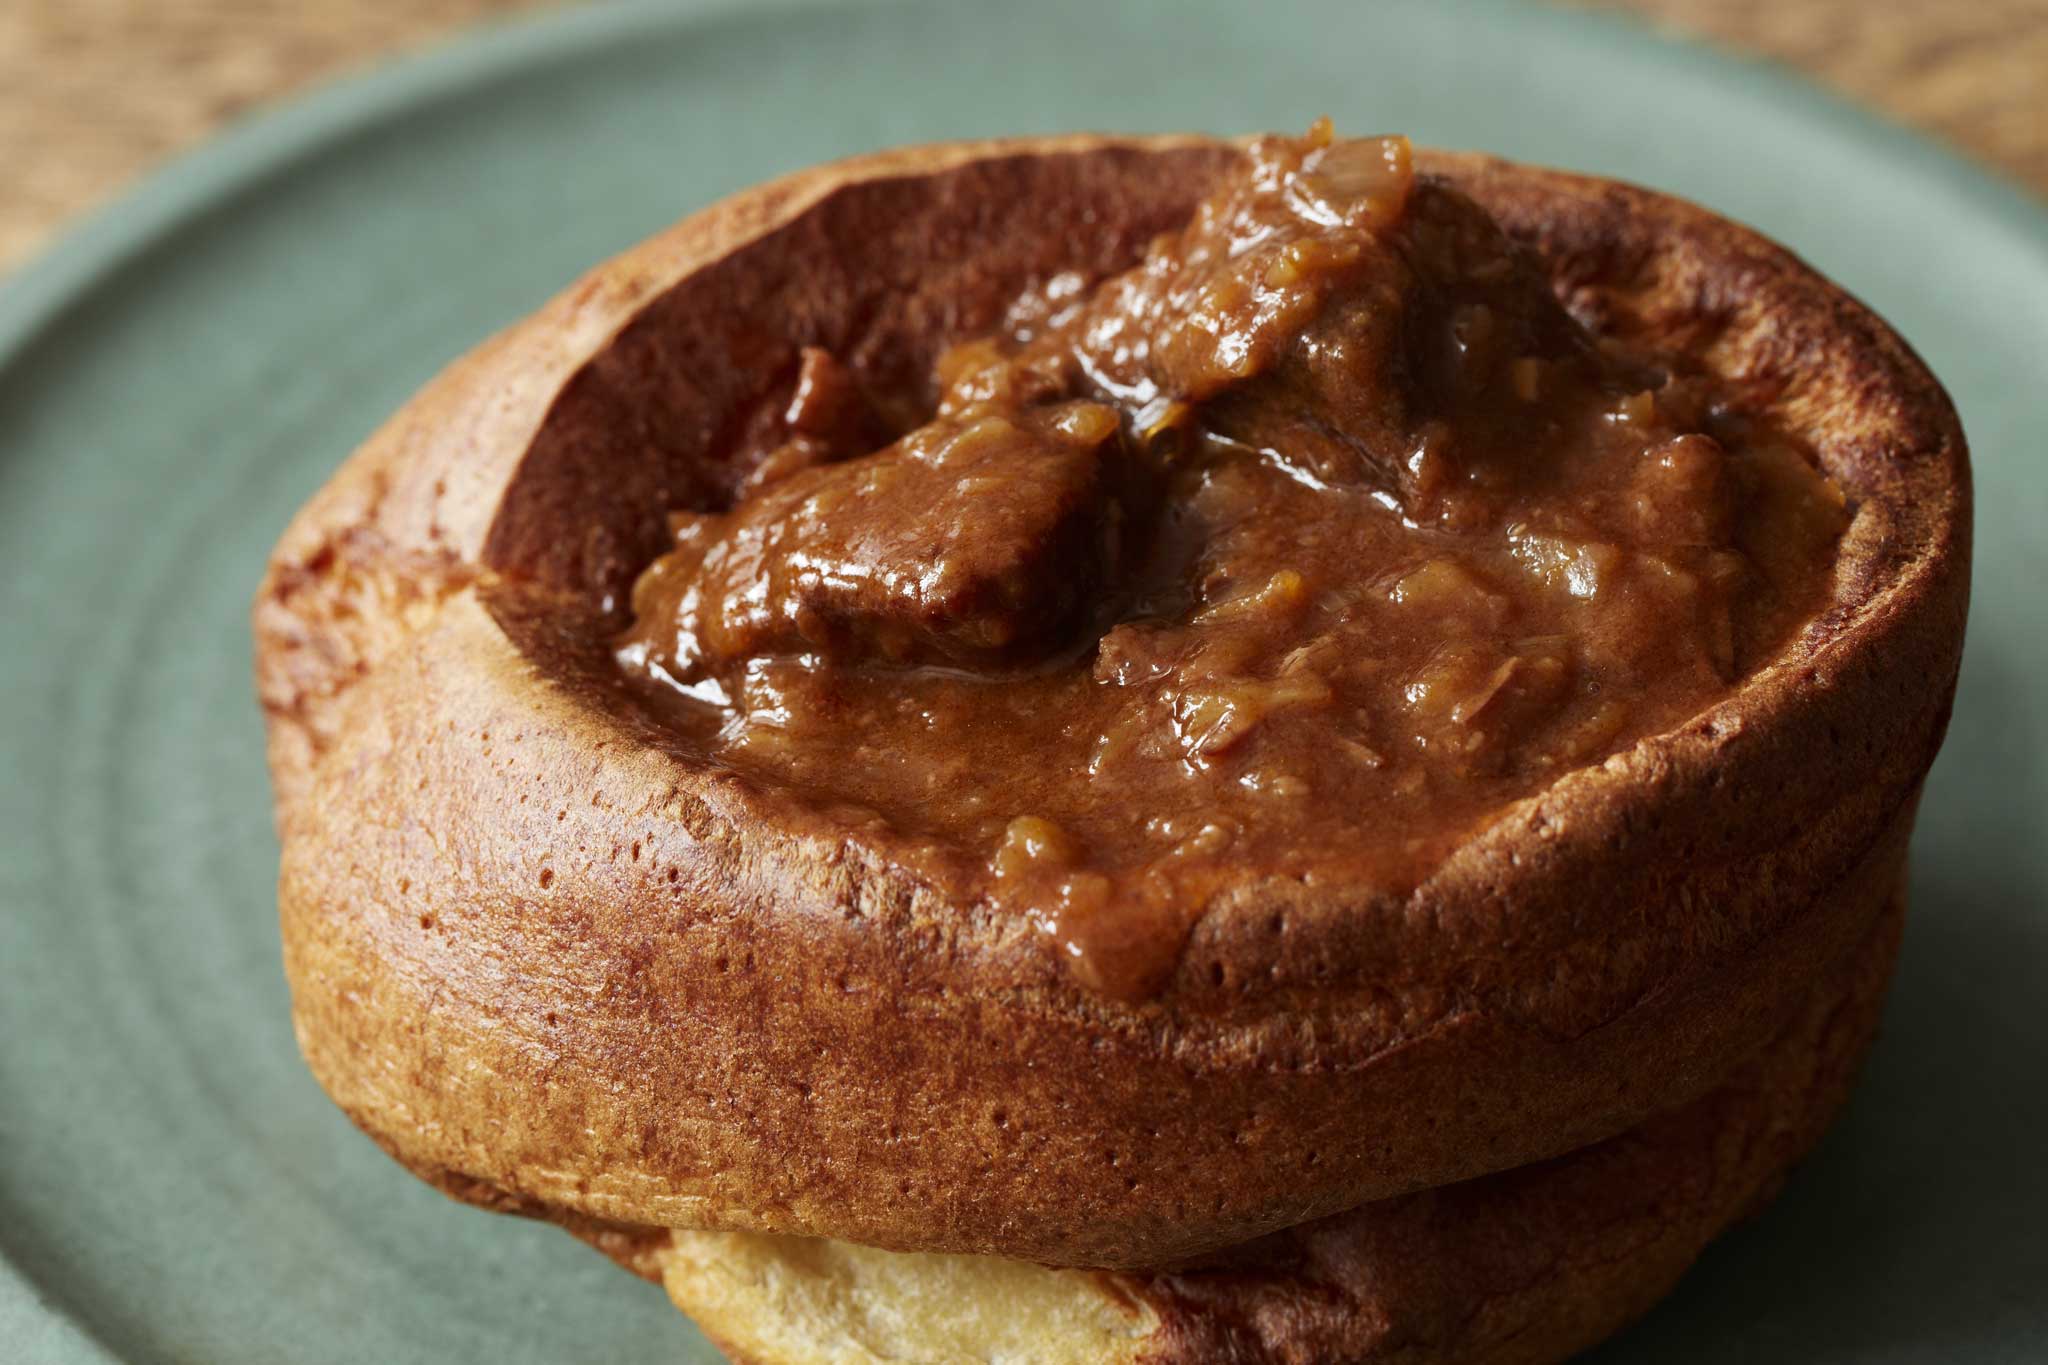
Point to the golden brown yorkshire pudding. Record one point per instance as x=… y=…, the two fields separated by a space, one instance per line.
x=1525 y=1266
x=561 y=954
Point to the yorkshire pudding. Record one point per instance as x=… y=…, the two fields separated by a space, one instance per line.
x=557 y=955
x=1518 y=1268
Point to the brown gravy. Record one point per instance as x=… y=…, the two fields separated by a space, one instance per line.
x=1323 y=528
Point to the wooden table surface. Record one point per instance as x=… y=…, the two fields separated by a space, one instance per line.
x=92 y=92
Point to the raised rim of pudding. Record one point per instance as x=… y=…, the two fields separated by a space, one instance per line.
x=551 y=958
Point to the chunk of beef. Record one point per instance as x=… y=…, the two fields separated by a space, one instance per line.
x=973 y=540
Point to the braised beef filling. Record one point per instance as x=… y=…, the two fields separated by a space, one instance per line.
x=1325 y=526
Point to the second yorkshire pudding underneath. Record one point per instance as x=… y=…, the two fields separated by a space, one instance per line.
x=555 y=939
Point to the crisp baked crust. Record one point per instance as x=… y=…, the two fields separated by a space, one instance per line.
x=550 y=960
x=1518 y=1268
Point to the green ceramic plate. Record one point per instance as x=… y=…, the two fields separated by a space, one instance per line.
x=187 y=368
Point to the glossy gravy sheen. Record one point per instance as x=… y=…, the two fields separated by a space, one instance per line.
x=1297 y=550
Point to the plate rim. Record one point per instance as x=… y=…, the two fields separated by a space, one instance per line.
x=89 y=252
x=54 y=279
